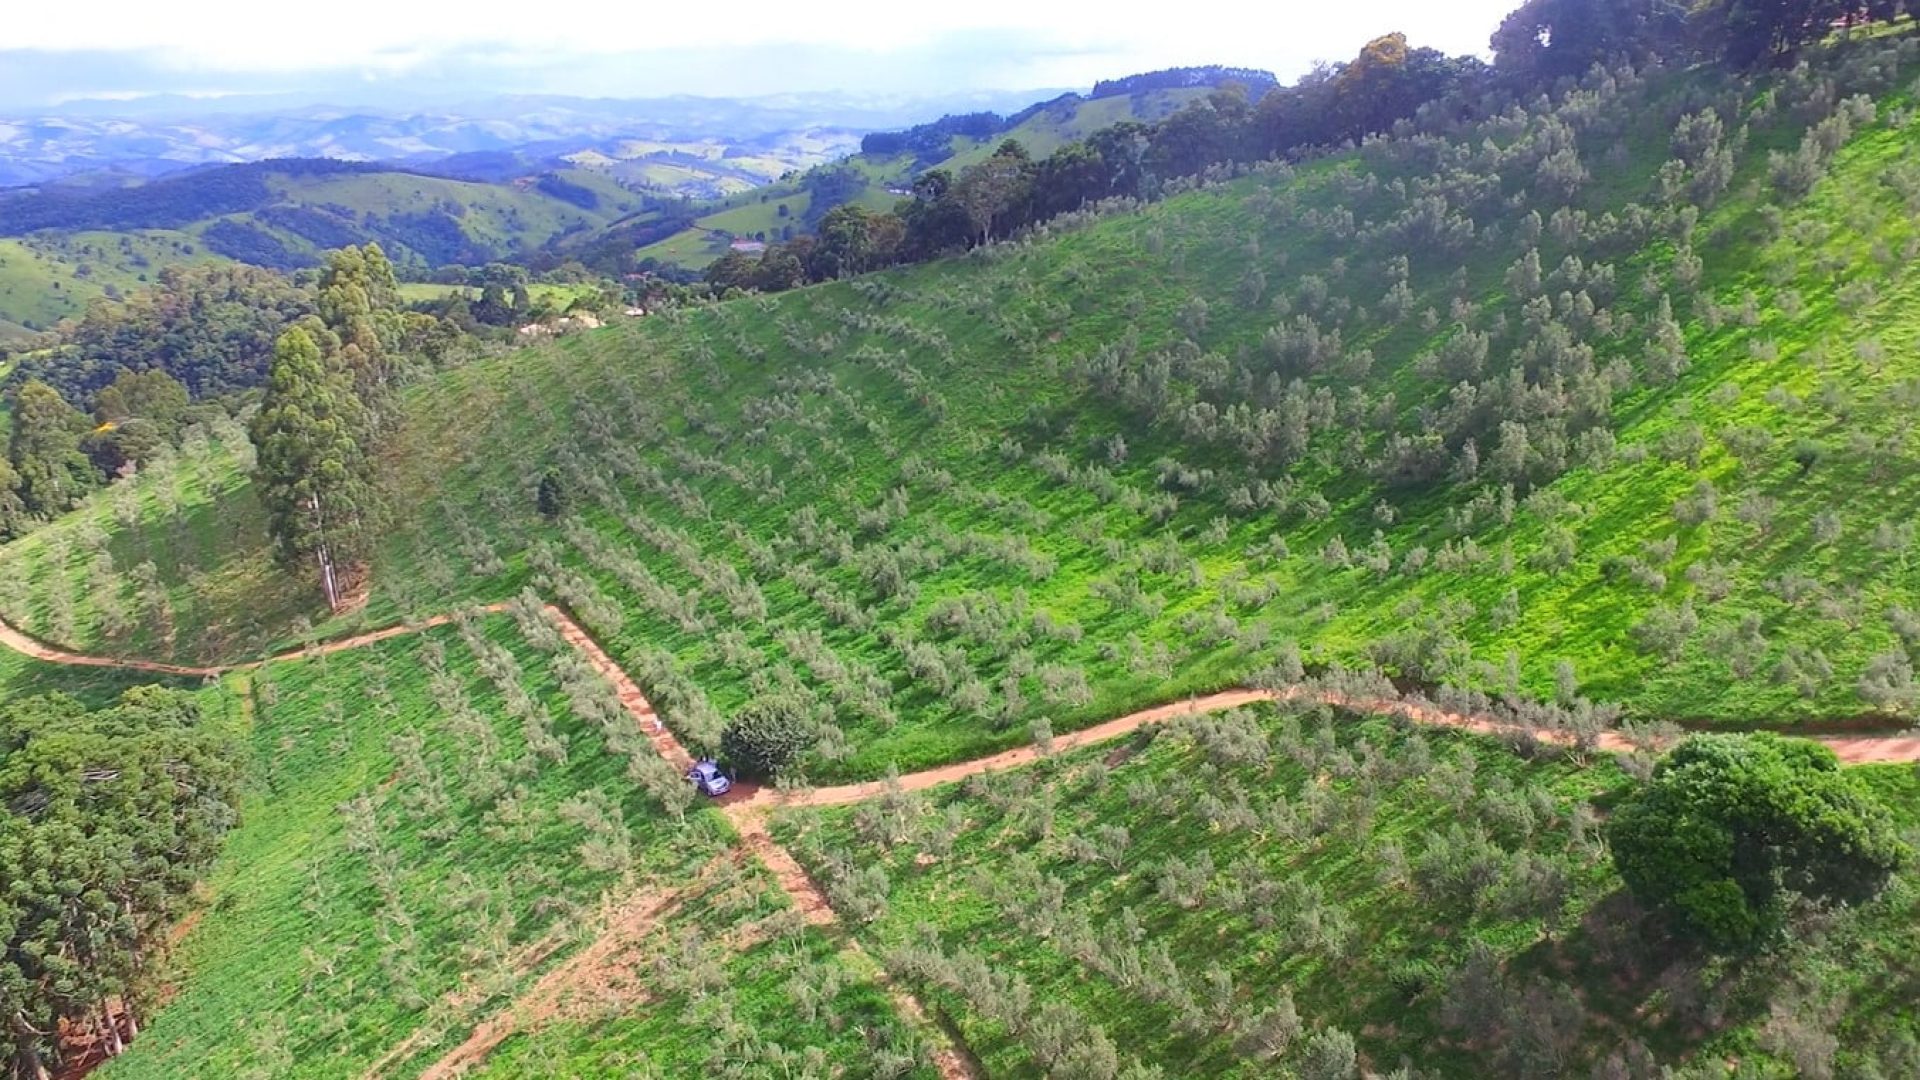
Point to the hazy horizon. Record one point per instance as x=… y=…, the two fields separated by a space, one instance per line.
x=219 y=55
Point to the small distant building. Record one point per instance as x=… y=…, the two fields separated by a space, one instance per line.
x=747 y=246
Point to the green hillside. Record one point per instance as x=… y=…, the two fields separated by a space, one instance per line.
x=49 y=277
x=1229 y=891
x=755 y=213
x=296 y=215
x=1698 y=553
x=750 y=215
x=1594 y=412
x=1057 y=433
x=1057 y=125
x=416 y=855
x=173 y=564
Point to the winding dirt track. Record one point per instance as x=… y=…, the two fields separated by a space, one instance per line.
x=749 y=808
x=40 y=650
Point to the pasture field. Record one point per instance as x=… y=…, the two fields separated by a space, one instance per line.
x=443 y=827
x=1218 y=896
x=1589 y=449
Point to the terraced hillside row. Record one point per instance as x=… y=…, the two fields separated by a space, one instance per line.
x=1259 y=889
x=1473 y=410
x=171 y=564
x=1565 y=403
x=476 y=865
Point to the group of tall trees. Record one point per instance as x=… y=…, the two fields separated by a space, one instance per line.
x=331 y=355
x=56 y=454
x=326 y=407
x=107 y=818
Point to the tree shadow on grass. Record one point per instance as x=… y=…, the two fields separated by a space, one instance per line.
x=95 y=687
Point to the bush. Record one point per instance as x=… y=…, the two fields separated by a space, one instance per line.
x=766 y=736
x=552 y=498
x=1729 y=827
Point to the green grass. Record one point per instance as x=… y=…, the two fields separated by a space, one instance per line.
x=941 y=367
x=962 y=385
x=54 y=275
x=327 y=946
x=956 y=506
x=212 y=590
x=559 y=294
x=97 y=687
x=726 y=995
x=746 y=214
x=1050 y=129
x=1308 y=909
x=294 y=969
x=46 y=278
x=697 y=441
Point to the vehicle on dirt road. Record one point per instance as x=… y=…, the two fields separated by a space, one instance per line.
x=708 y=779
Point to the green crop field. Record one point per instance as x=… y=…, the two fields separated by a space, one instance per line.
x=1595 y=411
x=438 y=828
x=1177 y=891
x=956 y=458
x=173 y=564
x=981 y=493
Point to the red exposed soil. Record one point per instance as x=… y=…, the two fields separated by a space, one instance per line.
x=598 y=979
x=631 y=698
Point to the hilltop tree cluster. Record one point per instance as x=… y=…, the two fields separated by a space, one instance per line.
x=1387 y=86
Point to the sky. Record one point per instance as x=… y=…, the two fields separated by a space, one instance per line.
x=396 y=51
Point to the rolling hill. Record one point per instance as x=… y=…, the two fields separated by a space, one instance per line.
x=1592 y=413
x=886 y=166
x=62 y=249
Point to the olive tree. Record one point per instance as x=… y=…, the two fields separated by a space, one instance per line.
x=767 y=736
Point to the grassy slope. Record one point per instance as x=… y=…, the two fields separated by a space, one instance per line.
x=742 y=215
x=1368 y=955
x=950 y=381
x=41 y=280
x=48 y=277
x=1050 y=129
x=726 y=995
x=746 y=215
x=993 y=340
x=292 y=970
x=24 y=678
x=214 y=592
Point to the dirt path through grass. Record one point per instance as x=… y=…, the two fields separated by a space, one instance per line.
x=40 y=650
x=599 y=971
x=748 y=810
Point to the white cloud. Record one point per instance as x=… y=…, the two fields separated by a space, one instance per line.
x=1085 y=40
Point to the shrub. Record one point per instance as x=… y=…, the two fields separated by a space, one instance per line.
x=552 y=498
x=1729 y=827
x=766 y=736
